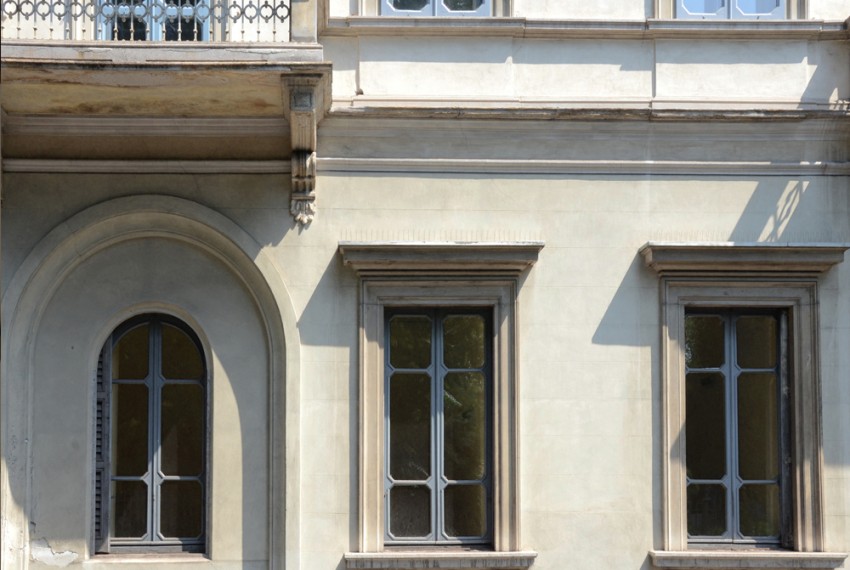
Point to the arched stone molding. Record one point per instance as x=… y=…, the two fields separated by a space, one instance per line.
x=94 y=230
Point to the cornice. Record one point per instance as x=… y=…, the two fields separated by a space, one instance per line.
x=99 y=126
x=818 y=30
x=685 y=259
x=146 y=166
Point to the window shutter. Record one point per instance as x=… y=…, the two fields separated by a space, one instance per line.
x=101 y=451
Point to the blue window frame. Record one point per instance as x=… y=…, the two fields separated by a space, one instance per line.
x=438 y=418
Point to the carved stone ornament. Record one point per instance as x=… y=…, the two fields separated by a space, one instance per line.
x=306 y=100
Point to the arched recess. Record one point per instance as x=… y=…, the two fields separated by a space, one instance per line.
x=61 y=255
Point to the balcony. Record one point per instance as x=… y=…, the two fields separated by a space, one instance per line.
x=253 y=21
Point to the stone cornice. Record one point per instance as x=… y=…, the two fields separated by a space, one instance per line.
x=688 y=259
x=588 y=29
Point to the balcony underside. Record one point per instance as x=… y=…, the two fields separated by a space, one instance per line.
x=149 y=102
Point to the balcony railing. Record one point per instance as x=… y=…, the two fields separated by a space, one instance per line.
x=147 y=20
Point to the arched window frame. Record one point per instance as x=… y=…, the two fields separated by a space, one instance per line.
x=103 y=491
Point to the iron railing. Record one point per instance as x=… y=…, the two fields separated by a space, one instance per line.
x=147 y=20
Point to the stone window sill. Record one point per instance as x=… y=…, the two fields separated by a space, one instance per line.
x=740 y=559
x=434 y=560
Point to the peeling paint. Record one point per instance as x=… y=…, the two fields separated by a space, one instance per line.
x=41 y=551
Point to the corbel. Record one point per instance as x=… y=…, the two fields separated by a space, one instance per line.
x=306 y=100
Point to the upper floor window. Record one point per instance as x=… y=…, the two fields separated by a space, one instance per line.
x=731 y=9
x=150 y=439
x=436 y=7
x=141 y=20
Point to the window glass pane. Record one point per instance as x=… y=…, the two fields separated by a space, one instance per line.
x=182 y=429
x=705 y=425
x=464 y=409
x=410 y=426
x=409 y=4
x=759 y=510
x=180 y=357
x=466 y=510
x=129 y=509
x=462 y=5
x=704 y=342
x=181 y=509
x=463 y=341
x=410 y=342
x=755 y=7
x=756 y=342
x=130 y=355
x=758 y=426
x=410 y=511
x=706 y=510
x=129 y=429
x=703 y=6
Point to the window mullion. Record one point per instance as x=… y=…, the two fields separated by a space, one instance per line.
x=437 y=447
x=155 y=420
x=731 y=374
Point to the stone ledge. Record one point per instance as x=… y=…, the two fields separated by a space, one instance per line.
x=741 y=559
x=439 y=560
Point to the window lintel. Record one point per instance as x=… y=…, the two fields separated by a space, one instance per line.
x=669 y=258
x=439 y=258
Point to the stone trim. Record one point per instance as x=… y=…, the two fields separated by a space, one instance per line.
x=785 y=258
x=383 y=258
x=733 y=560
x=439 y=560
x=818 y=30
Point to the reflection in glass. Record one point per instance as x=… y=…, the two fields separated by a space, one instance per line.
x=410 y=342
x=182 y=429
x=181 y=359
x=409 y=4
x=129 y=429
x=464 y=403
x=704 y=341
x=130 y=355
x=463 y=341
x=706 y=510
x=466 y=510
x=757 y=6
x=703 y=6
x=705 y=426
x=462 y=5
x=758 y=426
x=129 y=509
x=759 y=510
x=756 y=342
x=410 y=426
x=181 y=509
x=410 y=511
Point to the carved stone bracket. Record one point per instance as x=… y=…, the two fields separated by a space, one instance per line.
x=306 y=100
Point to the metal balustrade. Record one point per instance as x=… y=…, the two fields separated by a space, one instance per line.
x=147 y=20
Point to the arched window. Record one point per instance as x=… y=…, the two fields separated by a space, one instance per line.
x=151 y=438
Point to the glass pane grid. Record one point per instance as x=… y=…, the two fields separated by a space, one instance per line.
x=744 y=507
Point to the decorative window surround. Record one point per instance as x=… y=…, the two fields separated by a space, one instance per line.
x=728 y=275
x=431 y=274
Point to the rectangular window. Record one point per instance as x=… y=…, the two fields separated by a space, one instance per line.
x=736 y=427
x=438 y=420
x=143 y=20
x=731 y=9
x=450 y=8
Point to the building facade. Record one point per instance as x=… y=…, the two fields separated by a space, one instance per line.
x=444 y=284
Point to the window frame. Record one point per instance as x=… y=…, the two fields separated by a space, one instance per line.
x=744 y=276
x=437 y=8
x=732 y=11
x=793 y=10
x=435 y=275
x=103 y=541
x=495 y=9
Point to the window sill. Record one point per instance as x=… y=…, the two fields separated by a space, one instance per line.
x=149 y=558
x=497 y=26
x=433 y=560
x=735 y=559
